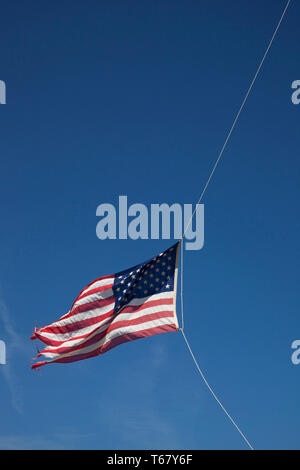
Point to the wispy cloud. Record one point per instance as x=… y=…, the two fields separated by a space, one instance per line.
x=56 y=441
x=14 y=387
x=8 y=325
x=14 y=342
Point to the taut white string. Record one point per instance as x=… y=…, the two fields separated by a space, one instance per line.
x=201 y=196
x=237 y=116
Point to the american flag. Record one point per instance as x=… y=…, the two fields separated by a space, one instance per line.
x=131 y=304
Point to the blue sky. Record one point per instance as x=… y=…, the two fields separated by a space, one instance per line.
x=135 y=98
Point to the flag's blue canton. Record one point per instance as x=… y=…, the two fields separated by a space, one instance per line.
x=151 y=277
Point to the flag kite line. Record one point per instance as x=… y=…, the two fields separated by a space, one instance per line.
x=200 y=199
x=237 y=116
x=114 y=309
